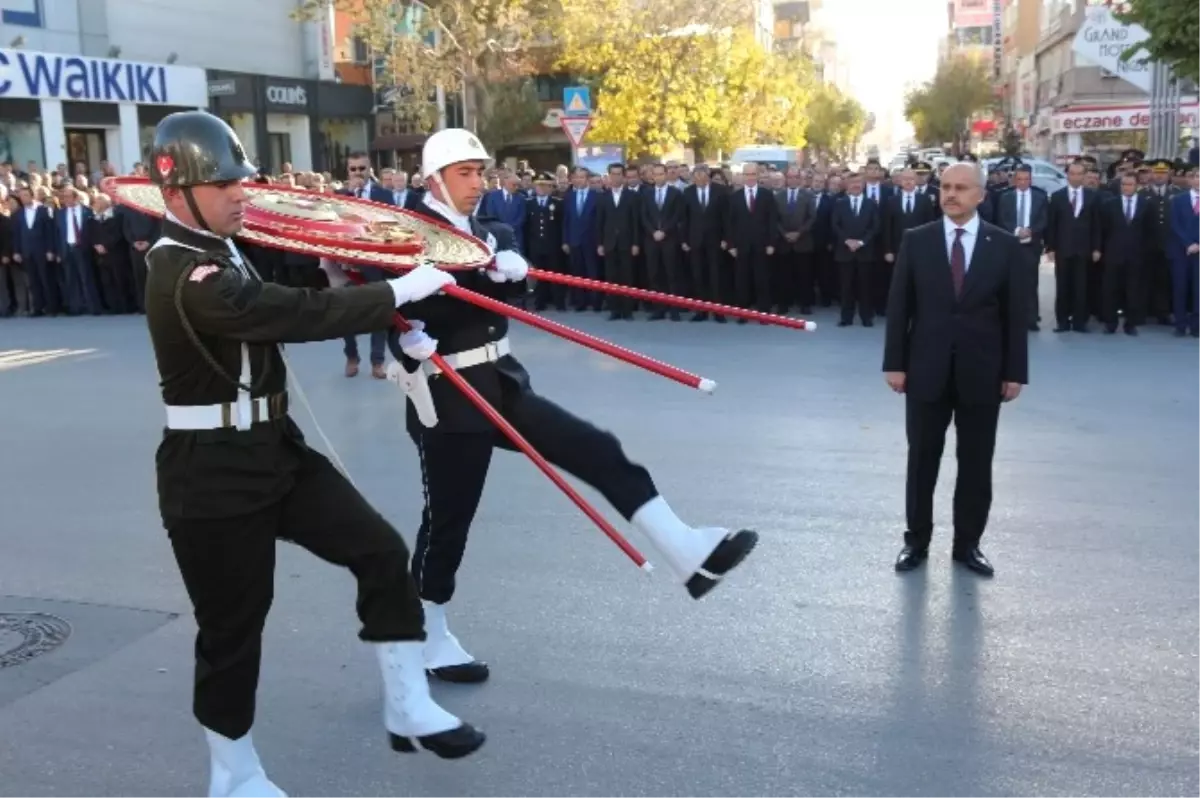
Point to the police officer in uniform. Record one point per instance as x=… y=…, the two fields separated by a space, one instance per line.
x=455 y=441
x=234 y=472
x=544 y=239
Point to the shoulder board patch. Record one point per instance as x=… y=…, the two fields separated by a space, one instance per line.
x=200 y=273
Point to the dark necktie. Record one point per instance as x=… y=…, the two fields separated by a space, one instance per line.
x=703 y=198
x=792 y=200
x=908 y=203
x=958 y=262
x=752 y=201
x=1129 y=209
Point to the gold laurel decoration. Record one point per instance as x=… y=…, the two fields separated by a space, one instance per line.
x=441 y=246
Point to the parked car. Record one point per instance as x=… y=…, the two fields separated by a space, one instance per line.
x=1046 y=175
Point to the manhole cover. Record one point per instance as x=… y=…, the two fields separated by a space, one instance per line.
x=25 y=635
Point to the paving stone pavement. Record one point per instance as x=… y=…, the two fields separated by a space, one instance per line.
x=814 y=670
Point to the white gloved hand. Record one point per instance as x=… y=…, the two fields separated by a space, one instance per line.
x=421 y=282
x=337 y=277
x=416 y=344
x=510 y=267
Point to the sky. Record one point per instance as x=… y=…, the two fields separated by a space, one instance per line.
x=888 y=43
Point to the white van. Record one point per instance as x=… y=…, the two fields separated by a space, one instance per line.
x=776 y=155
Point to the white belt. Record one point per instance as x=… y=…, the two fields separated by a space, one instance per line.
x=488 y=353
x=228 y=414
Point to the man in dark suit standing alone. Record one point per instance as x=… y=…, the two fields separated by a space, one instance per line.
x=703 y=229
x=857 y=227
x=1073 y=240
x=617 y=219
x=794 y=261
x=956 y=347
x=751 y=230
x=662 y=214
x=579 y=237
x=1025 y=211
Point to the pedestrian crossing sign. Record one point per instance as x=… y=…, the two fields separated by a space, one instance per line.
x=577 y=101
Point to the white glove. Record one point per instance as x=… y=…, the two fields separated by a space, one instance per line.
x=510 y=267
x=421 y=282
x=416 y=344
x=337 y=277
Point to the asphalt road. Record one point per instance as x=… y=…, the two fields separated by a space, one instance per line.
x=815 y=670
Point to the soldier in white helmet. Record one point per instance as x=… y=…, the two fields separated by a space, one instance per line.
x=455 y=441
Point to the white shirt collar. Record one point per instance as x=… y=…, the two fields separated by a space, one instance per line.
x=972 y=226
x=459 y=220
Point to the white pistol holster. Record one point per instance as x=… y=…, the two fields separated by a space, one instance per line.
x=415 y=385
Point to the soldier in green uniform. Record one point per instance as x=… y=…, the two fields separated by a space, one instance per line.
x=1158 y=261
x=234 y=472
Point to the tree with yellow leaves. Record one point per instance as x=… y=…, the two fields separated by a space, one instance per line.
x=759 y=97
x=656 y=67
x=836 y=122
x=447 y=46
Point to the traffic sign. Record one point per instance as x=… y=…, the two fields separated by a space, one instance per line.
x=576 y=127
x=577 y=101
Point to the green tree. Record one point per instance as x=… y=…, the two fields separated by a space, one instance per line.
x=454 y=46
x=835 y=122
x=941 y=109
x=507 y=111
x=656 y=67
x=1174 y=28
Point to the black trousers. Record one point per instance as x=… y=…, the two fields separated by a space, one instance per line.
x=454 y=468
x=855 y=288
x=1031 y=259
x=1071 y=290
x=228 y=568
x=705 y=260
x=662 y=270
x=975 y=429
x=138 y=261
x=1123 y=289
x=752 y=277
x=547 y=293
x=619 y=270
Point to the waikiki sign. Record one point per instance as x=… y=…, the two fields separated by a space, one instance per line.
x=31 y=75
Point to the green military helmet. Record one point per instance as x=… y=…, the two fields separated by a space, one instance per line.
x=192 y=148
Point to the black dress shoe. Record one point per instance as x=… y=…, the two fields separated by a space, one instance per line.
x=728 y=554
x=452 y=744
x=719 y=319
x=700 y=317
x=1130 y=330
x=975 y=561
x=467 y=673
x=1062 y=328
x=911 y=558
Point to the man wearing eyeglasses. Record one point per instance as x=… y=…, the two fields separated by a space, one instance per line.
x=360 y=183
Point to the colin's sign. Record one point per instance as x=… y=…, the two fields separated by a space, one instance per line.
x=55 y=76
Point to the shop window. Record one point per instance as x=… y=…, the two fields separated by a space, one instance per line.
x=21 y=142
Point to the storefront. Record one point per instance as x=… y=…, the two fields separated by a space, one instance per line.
x=1073 y=130
x=311 y=125
x=60 y=108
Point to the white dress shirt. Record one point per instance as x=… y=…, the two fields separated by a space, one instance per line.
x=616 y=194
x=1023 y=198
x=31 y=213
x=968 y=239
x=73 y=214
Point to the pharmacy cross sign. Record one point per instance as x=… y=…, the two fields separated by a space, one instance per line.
x=576 y=127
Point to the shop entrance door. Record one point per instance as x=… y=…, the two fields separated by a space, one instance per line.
x=87 y=146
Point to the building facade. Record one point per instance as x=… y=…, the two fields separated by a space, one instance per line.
x=1081 y=107
x=88 y=81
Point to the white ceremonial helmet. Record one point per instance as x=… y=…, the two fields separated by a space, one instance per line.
x=450 y=146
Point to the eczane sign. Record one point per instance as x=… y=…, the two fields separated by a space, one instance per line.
x=26 y=74
x=1127 y=117
x=1102 y=40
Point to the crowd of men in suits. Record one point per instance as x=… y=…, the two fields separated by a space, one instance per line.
x=65 y=249
x=777 y=240
x=1123 y=246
